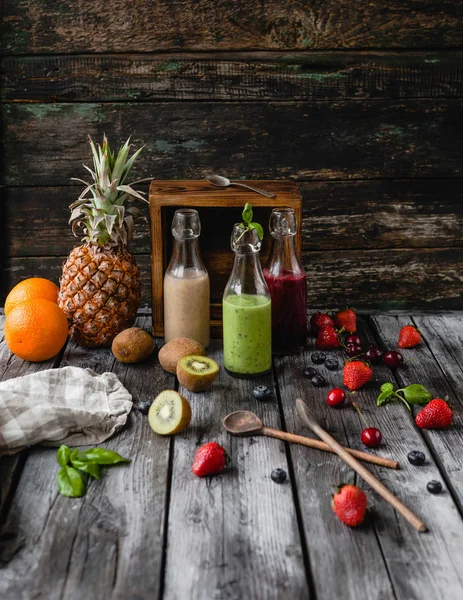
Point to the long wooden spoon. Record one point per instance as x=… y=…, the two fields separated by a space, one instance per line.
x=382 y=490
x=245 y=422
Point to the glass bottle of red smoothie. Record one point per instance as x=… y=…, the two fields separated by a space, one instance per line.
x=286 y=281
x=186 y=283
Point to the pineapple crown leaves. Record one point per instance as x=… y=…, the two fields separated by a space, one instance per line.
x=100 y=209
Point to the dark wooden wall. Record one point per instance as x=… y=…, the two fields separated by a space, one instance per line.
x=360 y=102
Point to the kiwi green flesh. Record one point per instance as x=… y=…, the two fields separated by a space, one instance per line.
x=170 y=413
x=196 y=373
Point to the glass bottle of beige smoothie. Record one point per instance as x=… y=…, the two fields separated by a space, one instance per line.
x=186 y=283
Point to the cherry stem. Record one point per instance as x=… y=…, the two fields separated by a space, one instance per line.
x=356 y=406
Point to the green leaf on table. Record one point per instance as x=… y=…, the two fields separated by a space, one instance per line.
x=416 y=394
x=102 y=456
x=63 y=455
x=258 y=228
x=70 y=482
x=387 y=387
x=80 y=461
x=386 y=394
x=247 y=214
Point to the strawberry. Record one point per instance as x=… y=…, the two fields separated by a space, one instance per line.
x=210 y=459
x=346 y=319
x=349 y=504
x=356 y=374
x=409 y=336
x=435 y=415
x=327 y=339
x=319 y=320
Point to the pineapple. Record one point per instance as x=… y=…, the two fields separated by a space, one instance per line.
x=100 y=283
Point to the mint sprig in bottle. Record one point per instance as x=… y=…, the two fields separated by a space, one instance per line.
x=247 y=317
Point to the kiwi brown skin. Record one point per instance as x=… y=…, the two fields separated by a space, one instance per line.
x=171 y=352
x=132 y=345
x=196 y=382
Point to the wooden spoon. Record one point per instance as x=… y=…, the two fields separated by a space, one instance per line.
x=382 y=490
x=245 y=422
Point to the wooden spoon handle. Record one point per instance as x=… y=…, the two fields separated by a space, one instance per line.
x=360 y=469
x=305 y=441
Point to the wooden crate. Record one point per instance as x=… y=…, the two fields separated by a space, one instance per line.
x=218 y=210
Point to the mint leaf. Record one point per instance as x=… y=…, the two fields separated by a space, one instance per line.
x=258 y=228
x=383 y=398
x=79 y=461
x=101 y=456
x=63 y=455
x=387 y=387
x=416 y=394
x=70 y=482
x=247 y=213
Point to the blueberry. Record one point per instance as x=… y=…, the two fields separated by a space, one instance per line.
x=144 y=407
x=261 y=392
x=310 y=372
x=318 y=358
x=331 y=364
x=278 y=475
x=417 y=458
x=318 y=381
x=434 y=487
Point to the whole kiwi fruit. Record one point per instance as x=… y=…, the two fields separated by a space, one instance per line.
x=171 y=352
x=132 y=345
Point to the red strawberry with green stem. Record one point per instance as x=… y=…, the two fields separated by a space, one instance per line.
x=327 y=339
x=356 y=374
x=349 y=503
x=209 y=460
x=409 y=336
x=435 y=415
x=346 y=319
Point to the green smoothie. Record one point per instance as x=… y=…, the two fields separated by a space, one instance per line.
x=247 y=334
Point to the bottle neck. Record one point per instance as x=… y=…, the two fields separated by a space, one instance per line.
x=186 y=257
x=283 y=257
x=247 y=276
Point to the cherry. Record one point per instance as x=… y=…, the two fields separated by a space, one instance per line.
x=353 y=339
x=371 y=436
x=374 y=355
x=353 y=350
x=393 y=359
x=336 y=397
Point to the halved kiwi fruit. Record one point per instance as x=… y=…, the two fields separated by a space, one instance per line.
x=196 y=372
x=170 y=413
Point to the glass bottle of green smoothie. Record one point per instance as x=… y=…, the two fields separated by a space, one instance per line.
x=247 y=318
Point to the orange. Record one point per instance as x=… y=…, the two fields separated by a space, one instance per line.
x=35 y=287
x=36 y=330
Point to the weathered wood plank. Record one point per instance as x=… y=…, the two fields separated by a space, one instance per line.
x=33 y=26
x=234 y=535
x=347 y=215
x=239 y=76
x=386 y=279
x=442 y=335
x=439 y=574
x=319 y=140
x=108 y=544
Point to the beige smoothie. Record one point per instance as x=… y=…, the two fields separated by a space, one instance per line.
x=187 y=307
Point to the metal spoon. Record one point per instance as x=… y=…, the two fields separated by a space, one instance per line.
x=245 y=422
x=220 y=181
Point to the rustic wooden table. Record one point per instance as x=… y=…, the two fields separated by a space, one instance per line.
x=153 y=530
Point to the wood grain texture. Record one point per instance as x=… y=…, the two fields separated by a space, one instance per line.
x=302 y=140
x=348 y=215
x=236 y=76
x=436 y=364
x=388 y=280
x=440 y=574
x=109 y=543
x=226 y=532
x=34 y=26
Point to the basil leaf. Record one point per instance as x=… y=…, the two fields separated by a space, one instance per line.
x=101 y=456
x=247 y=213
x=387 y=387
x=63 y=455
x=383 y=398
x=70 y=482
x=258 y=228
x=416 y=394
x=83 y=464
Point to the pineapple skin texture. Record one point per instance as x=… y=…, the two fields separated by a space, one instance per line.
x=100 y=293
